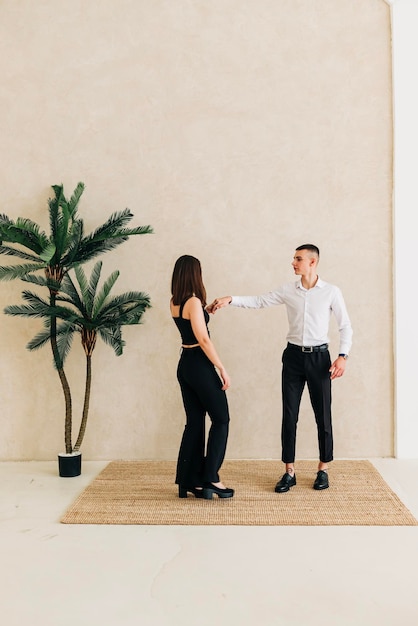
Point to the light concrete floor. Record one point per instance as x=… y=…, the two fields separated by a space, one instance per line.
x=53 y=574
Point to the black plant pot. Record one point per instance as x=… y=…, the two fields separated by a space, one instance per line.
x=69 y=465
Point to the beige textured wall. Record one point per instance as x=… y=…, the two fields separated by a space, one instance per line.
x=238 y=129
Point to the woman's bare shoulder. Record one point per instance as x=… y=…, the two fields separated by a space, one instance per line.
x=193 y=305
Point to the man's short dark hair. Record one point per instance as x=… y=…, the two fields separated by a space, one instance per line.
x=310 y=247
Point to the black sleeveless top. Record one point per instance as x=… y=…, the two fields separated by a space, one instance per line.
x=185 y=326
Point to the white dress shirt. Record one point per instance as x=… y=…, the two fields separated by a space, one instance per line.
x=308 y=311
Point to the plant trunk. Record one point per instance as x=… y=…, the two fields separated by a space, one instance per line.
x=63 y=379
x=86 y=404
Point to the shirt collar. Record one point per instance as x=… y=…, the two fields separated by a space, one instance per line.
x=319 y=283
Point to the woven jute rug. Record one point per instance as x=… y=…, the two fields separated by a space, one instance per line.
x=142 y=492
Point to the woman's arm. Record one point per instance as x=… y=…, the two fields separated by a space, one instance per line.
x=193 y=310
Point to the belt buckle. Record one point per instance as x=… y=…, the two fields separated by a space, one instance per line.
x=307 y=348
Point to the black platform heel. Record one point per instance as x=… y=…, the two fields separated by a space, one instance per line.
x=183 y=491
x=209 y=489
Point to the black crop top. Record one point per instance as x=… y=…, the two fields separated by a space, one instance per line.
x=185 y=326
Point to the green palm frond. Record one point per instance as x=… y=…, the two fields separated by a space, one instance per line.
x=112 y=233
x=113 y=337
x=35 y=299
x=22 y=238
x=62 y=219
x=11 y=272
x=83 y=283
x=90 y=249
x=71 y=295
x=25 y=310
x=21 y=254
x=41 y=339
x=54 y=211
x=42 y=281
x=69 y=300
x=35 y=307
x=94 y=279
x=133 y=315
x=66 y=314
x=48 y=253
x=138 y=230
x=75 y=236
x=75 y=199
x=5 y=221
x=35 y=279
x=112 y=225
x=104 y=292
x=32 y=231
x=24 y=232
x=126 y=303
x=61 y=238
x=38 y=307
x=65 y=334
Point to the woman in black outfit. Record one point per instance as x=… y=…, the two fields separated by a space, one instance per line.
x=203 y=391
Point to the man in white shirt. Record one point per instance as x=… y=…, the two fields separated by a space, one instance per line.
x=306 y=359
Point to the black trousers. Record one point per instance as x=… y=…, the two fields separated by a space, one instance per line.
x=311 y=368
x=201 y=389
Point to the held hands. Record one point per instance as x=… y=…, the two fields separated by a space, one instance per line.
x=218 y=303
x=337 y=369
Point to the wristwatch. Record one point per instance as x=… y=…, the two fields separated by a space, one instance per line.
x=345 y=356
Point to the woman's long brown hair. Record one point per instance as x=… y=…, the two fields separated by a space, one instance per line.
x=187 y=280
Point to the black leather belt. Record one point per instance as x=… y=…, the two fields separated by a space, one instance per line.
x=322 y=348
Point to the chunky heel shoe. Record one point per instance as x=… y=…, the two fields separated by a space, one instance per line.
x=209 y=489
x=198 y=493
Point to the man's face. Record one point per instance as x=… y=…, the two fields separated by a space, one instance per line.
x=303 y=262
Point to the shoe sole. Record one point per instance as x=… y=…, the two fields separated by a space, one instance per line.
x=208 y=494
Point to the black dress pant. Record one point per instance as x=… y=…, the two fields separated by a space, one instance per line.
x=202 y=393
x=311 y=368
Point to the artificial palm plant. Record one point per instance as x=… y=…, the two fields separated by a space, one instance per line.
x=92 y=312
x=65 y=248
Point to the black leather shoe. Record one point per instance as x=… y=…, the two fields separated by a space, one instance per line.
x=321 y=481
x=285 y=483
x=183 y=491
x=209 y=489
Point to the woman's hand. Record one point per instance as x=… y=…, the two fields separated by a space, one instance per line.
x=225 y=378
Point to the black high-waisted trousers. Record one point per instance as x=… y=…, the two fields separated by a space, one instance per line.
x=201 y=389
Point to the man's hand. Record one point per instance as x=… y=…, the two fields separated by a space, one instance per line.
x=218 y=303
x=337 y=369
